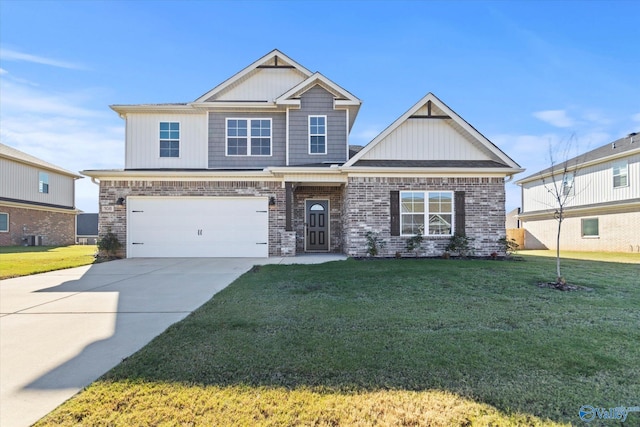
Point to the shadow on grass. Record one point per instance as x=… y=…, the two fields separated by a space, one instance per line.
x=478 y=329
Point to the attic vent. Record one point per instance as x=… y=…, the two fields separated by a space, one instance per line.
x=631 y=135
x=613 y=145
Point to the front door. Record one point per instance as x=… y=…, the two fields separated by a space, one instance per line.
x=317 y=225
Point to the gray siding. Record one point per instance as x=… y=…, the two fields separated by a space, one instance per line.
x=317 y=101
x=217 y=142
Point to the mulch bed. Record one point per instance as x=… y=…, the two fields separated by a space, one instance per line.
x=563 y=286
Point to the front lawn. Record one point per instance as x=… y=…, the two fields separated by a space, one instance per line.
x=24 y=260
x=390 y=342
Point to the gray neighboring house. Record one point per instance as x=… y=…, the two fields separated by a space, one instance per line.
x=602 y=212
x=37 y=201
x=261 y=166
x=87 y=228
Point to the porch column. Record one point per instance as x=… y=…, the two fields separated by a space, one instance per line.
x=288 y=201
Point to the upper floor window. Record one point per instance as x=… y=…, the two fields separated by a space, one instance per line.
x=43 y=182
x=567 y=184
x=429 y=213
x=169 y=139
x=620 y=175
x=317 y=134
x=248 y=137
x=4 y=222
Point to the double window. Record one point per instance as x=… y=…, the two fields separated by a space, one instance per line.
x=317 y=134
x=43 y=182
x=4 y=222
x=620 y=175
x=248 y=137
x=590 y=227
x=426 y=212
x=169 y=139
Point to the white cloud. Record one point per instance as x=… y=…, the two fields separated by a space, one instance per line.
x=60 y=129
x=12 y=55
x=557 y=118
x=3 y=71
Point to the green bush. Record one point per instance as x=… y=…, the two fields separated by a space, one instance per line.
x=109 y=244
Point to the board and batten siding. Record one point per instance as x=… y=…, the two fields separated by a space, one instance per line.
x=264 y=84
x=20 y=181
x=592 y=185
x=425 y=139
x=143 y=141
x=217 y=147
x=317 y=102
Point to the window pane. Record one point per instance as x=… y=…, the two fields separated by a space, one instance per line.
x=590 y=227
x=174 y=126
x=412 y=223
x=237 y=147
x=4 y=222
x=260 y=146
x=164 y=126
x=440 y=224
x=164 y=134
x=317 y=144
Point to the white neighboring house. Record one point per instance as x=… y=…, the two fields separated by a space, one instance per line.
x=37 y=201
x=602 y=212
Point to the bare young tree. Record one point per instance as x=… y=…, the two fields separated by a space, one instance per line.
x=560 y=185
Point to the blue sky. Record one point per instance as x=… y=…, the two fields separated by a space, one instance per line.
x=526 y=74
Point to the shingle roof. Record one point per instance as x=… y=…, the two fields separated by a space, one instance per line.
x=619 y=146
x=12 y=153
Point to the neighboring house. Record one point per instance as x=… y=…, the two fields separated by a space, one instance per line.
x=87 y=228
x=37 y=201
x=260 y=166
x=602 y=212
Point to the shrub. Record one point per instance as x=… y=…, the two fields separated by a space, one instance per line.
x=109 y=244
x=508 y=246
x=414 y=243
x=461 y=244
x=374 y=243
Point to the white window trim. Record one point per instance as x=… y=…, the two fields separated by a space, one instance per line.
x=7 y=230
x=179 y=139
x=248 y=119
x=426 y=212
x=620 y=165
x=595 y=236
x=326 y=130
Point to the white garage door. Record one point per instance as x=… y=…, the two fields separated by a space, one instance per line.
x=197 y=227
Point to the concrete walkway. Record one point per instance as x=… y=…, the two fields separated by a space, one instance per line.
x=60 y=331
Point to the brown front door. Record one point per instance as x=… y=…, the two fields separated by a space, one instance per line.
x=317 y=225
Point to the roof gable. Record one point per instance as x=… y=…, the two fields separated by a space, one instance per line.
x=19 y=156
x=263 y=80
x=431 y=131
x=620 y=148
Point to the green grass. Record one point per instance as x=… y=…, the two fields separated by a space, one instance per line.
x=392 y=342
x=24 y=260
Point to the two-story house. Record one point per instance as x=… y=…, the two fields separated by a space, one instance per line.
x=37 y=201
x=260 y=166
x=602 y=208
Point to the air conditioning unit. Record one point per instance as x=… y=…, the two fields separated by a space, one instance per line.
x=34 y=240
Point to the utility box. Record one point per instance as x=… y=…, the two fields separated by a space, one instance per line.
x=34 y=240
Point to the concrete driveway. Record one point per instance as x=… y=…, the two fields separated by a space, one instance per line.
x=60 y=331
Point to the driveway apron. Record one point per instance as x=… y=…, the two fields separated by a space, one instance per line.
x=60 y=331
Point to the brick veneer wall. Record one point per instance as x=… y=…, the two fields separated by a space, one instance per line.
x=56 y=228
x=335 y=197
x=115 y=221
x=367 y=208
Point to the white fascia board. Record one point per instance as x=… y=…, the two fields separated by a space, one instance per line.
x=559 y=168
x=231 y=80
x=217 y=105
x=331 y=170
x=449 y=172
x=313 y=80
x=123 y=110
x=71 y=210
x=206 y=175
x=572 y=211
